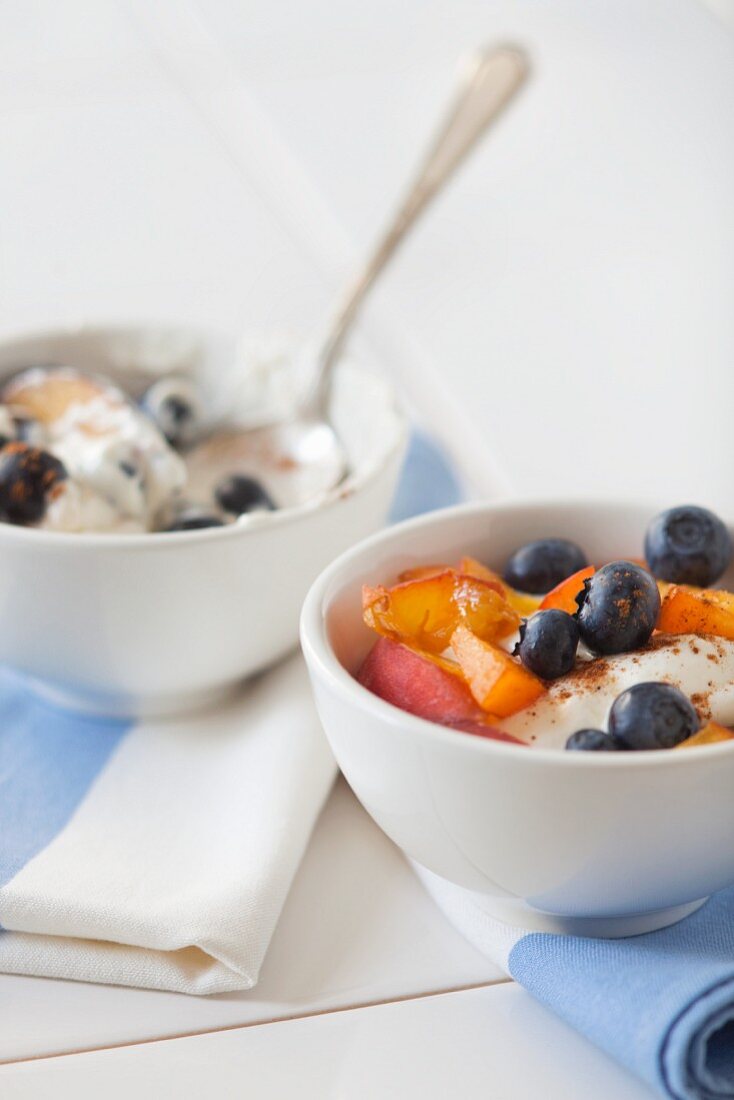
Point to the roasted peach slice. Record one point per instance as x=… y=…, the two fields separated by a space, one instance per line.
x=427 y=687
x=707 y=735
x=420 y=572
x=483 y=609
x=563 y=596
x=688 y=610
x=425 y=612
x=419 y=611
x=520 y=601
x=417 y=684
x=499 y=683
x=474 y=568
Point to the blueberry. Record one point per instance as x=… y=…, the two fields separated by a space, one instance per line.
x=594 y=741
x=28 y=477
x=548 y=643
x=653 y=716
x=541 y=565
x=688 y=545
x=239 y=494
x=618 y=608
x=175 y=413
x=194 y=521
x=174 y=404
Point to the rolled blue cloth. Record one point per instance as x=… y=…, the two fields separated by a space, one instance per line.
x=661 y=1003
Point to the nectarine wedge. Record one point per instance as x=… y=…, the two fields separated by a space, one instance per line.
x=420 y=572
x=425 y=612
x=423 y=686
x=688 y=610
x=498 y=682
x=563 y=596
x=707 y=735
x=520 y=601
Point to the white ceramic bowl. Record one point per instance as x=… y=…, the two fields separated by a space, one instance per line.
x=162 y=622
x=606 y=844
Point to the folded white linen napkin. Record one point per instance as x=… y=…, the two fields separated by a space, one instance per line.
x=155 y=853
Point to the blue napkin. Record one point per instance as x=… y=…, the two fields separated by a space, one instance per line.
x=662 y=1003
x=427 y=481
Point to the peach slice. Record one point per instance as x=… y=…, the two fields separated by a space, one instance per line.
x=498 y=682
x=688 y=610
x=563 y=596
x=420 y=611
x=707 y=735
x=424 y=686
x=474 y=568
x=45 y=393
x=520 y=601
x=425 y=612
x=486 y=612
x=420 y=572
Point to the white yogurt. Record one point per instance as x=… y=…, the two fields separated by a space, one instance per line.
x=131 y=476
x=702 y=667
x=121 y=470
x=76 y=508
x=111 y=446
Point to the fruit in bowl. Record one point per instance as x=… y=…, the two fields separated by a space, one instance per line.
x=569 y=830
x=596 y=639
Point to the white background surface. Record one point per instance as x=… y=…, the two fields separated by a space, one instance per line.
x=576 y=283
x=489 y=1043
x=573 y=291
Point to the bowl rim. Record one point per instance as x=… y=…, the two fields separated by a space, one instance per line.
x=321 y=657
x=97 y=540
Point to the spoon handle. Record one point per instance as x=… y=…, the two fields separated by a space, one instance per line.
x=487 y=83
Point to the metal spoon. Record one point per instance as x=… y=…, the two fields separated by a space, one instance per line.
x=488 y=80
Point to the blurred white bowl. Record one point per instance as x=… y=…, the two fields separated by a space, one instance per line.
x=595 y=843
x=153 y=623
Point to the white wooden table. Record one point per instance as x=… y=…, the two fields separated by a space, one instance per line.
x=222 y=161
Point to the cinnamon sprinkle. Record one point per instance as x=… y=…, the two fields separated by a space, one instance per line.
x=594 y=675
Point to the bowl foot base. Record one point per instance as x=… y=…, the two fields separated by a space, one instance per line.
x=520 y=914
